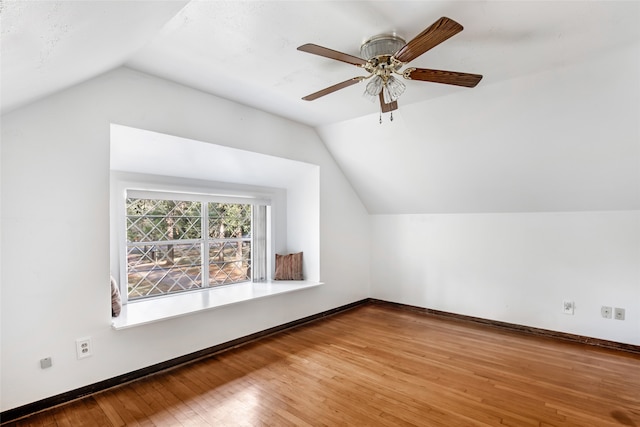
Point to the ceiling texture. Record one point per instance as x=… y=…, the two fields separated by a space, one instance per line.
x=499 y=147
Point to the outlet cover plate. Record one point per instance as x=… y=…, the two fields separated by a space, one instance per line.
x=605 y=311
x=567 y=307
x=84 y=347
x=618 y=313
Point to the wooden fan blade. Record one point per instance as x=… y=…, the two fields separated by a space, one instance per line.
x=438 y=32
x=331 y=54
x=333 y=88
x=384 y=107
x=446 y=77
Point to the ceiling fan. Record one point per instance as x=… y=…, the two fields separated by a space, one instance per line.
x=385 y=55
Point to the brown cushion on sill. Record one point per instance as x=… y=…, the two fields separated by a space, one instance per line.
x=289 y=267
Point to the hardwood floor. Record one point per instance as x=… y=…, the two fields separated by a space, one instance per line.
x=377 y=365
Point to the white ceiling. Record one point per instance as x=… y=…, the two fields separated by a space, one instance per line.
x=245 y=51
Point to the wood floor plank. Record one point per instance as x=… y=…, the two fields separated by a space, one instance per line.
x=106 y=401
x=379 y=365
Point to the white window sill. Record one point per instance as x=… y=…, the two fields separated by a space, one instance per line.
x=156 y=309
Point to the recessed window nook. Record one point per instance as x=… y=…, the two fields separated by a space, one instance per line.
x=151 y=161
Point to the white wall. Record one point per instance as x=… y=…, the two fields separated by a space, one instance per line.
x=515 y=267
x=55 y=224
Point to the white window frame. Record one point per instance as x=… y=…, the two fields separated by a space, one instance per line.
x=160 y=187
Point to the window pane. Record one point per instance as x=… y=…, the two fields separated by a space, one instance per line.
x=229 y=262
x=162 y=269
x=160 y=220
x=229 y=220
x=165 y=245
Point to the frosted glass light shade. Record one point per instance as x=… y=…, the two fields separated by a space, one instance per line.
x=373 y=88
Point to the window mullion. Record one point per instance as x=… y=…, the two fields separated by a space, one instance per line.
x=258 y=243
x=163 y=242
x=205 y=244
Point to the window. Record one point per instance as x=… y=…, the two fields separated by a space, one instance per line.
x=178 y=242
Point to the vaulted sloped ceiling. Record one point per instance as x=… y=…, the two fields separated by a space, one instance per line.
x=552 y=126
x=51 y=45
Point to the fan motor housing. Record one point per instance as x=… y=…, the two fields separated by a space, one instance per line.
x=381 y=45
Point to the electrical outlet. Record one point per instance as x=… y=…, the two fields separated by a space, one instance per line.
x=45 y=363
x=618 y=313
x=605 y=312
x=83 y=347
x=567 y=307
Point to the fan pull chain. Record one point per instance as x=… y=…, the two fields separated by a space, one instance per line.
x=390 y=117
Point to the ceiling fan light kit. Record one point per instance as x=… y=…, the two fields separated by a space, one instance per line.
x=385 y=55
